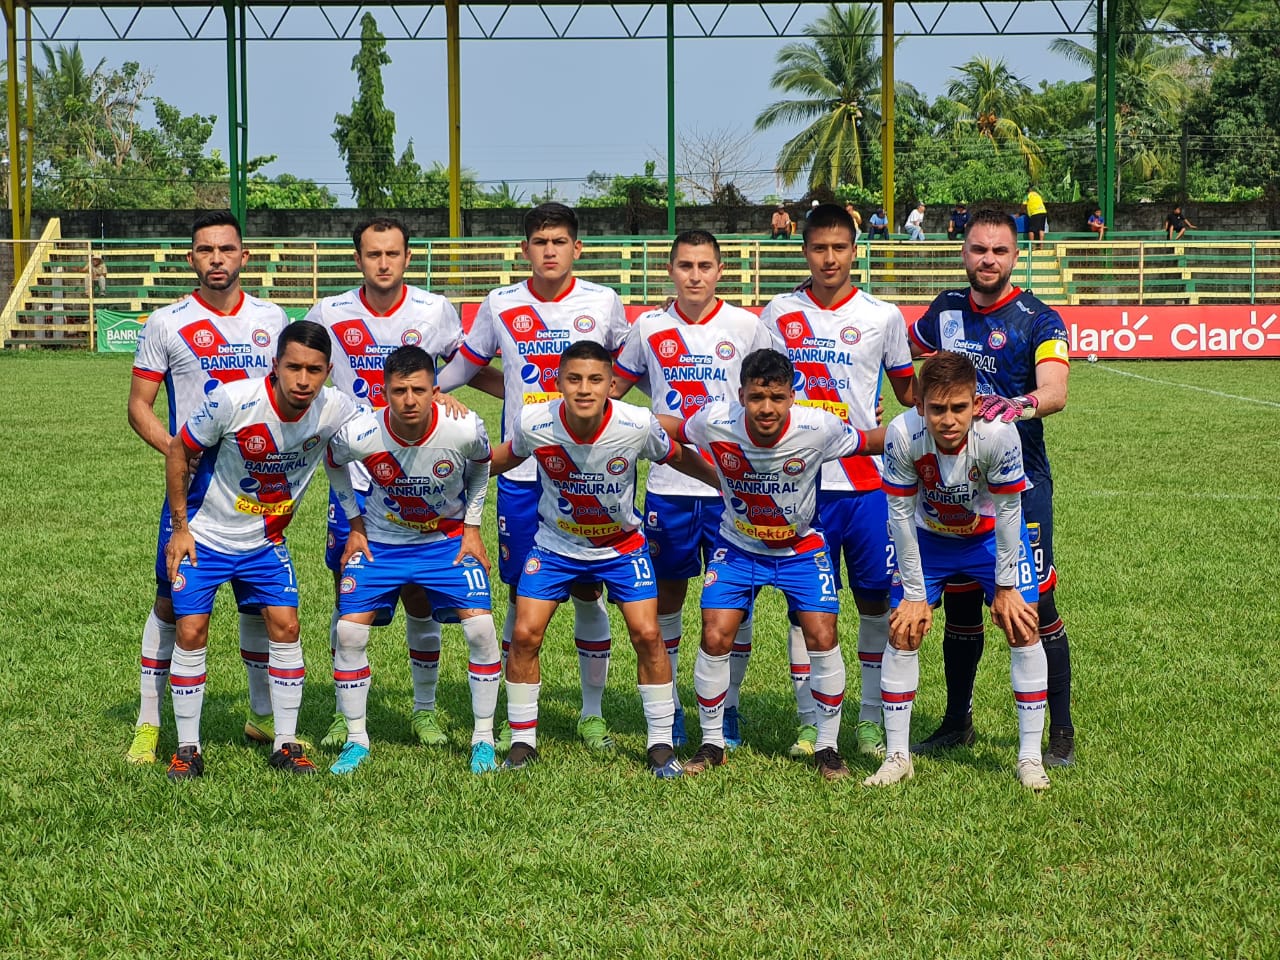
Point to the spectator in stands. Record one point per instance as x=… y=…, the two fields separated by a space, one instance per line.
x=914 y=226
x=879 y=224
x=1175 y=224
x=1037 y=215
x=812 y=207
x=1097 y=224
x=959 y=220
x=97 y=275
x=857 y=220
x=780 y=226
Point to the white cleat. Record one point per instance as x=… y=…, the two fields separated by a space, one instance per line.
x=1032 y=776
x=896 y=768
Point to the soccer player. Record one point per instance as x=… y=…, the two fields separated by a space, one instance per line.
x=365 y=325
x=216 y=335
x=260 y=442
x=768 y=453
x=1019 y=347
x=530 y=324
x=586 y=446
x=685 y=357
x=842 y=341
x=421 y=526
x=954 y=485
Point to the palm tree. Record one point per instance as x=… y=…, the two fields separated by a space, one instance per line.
x=65 y=93
x=837 y=76
x=991 y=101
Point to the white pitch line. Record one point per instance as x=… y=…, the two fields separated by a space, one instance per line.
x=1181 y=494
x=1187 y=386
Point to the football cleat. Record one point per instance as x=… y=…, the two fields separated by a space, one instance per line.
x=947 y=736
x=187 y=764
x=830 y=764
x=806 y=742
x=1032 y=776
x=732 y=729
x=678 y=736
x=708 y=755
x=663 y=763
x=482 y=757
x=426 y=729
x=336 y=735
x=595 y=735
x=291 y=758
x=897 y=767
x=260 y=727
x=870 y=738
x=143 y=749
x=353 y=754
x=521 y=756
x=1062 y=747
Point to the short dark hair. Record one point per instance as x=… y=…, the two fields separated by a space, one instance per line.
x=379 y=224
x=946 y=369
x=406 y=361
x=586 y=350
x=768 y=366
x=550 y=215
x=307 y=333
x=992 y=218
x=216 y=218
x=826 y=216
x=695 y=238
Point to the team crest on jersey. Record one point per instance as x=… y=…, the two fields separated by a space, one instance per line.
x=997 y=339
x=202 y=338
x=850 y=335
x=330 y=541
x=654 y=549
x=1033 y=534
x=178 y=583
x=726 y=350
x=411 y=338
x=793 y=466
x=822 y=562
x=352 y=336
x=794 y=330
x=348 y=585
x=730 y=461
x=618 y=465
x=310 y=443
x=522 y=324
x=928 y=473
x=975 y=474
x=555 y=464
x=383 y=471
x=951 y=327
x=532 y=565
x=668 y=349
x=256 y=445
x=584 y=323
x=442 y=468
x=710 y=578
x=504 y=554
x=261 y=337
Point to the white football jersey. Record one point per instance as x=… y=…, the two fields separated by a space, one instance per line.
x=531 y=333
x=684 y=366
x=256 y=464
x=192 y=347
x=771 y=492
x=420 y=487
x=839 y=355
x=954 y=488
x=362 y=338
x=587 y=507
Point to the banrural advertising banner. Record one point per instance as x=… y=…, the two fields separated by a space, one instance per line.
x=118 y=329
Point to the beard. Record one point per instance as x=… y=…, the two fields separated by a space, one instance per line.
x=992 y=288
x=233 y=277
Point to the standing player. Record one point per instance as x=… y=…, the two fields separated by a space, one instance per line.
x=587 y=447
x=954 y=487
x=421 y=527
x=530 y=324
x=216 y=335
x=1019 y=347
x=260 y=442
x=365 y=325
x=768 y=455
x=841 y=342
x=685 y=357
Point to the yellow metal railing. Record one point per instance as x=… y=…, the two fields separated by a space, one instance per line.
x=65 y=281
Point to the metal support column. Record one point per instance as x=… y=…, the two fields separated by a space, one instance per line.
x=18 y=231
x=1099 y=107
x=886 y=109
x=452 y=43
x=1109 y=211
x=243 y=74
x=234 y=159
x=671 y=118
x=30 y=71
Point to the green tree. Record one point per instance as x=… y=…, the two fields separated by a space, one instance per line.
x=992 y=103
x=836 y=77
x=412 y=187
x=366 y=136
x=287 y=192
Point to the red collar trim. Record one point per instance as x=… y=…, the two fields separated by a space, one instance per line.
x=786 y=425
x=573 y=282
x=604 y=422
x=1016 y=291
x=835 y=306
x=426 y=434
x=272 y=385
x=195 y=295
x=404 y=293
x=696 y=323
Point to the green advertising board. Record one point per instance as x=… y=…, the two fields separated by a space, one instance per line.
x=118 y=330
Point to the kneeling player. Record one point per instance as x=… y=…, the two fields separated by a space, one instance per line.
x=768 y=454
x=588 y=531
x=955 y=506
x=422 y=528
x=261 y=441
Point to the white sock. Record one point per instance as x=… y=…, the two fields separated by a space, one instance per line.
x=287 y=673
x=798 y=655
x=333 y=649
x=186 y=681
x=711 y=684
x=483 y=672
x=254 y=647
x=522 y=712
x=671 y=626
x=739 y=657
x=899 y=678
x=157 y=653
x=873 y=637
x=826 y=686
x=423 y=638
x=659 y=712
x=351 y=678
x=508 y=625
x=591 y=634
x=1029 y=671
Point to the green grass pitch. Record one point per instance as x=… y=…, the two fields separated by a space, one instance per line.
x=1164 y=840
